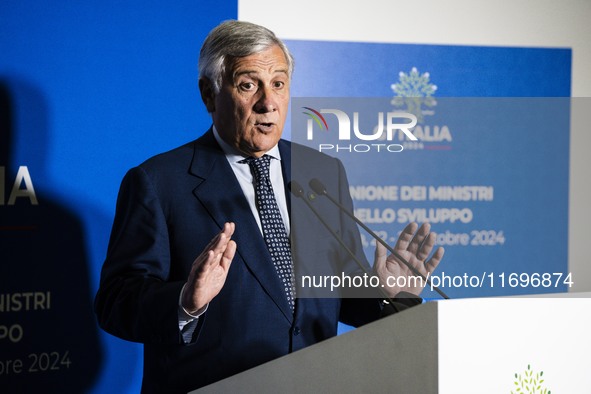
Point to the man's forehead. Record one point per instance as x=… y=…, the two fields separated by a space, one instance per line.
x=271 y=59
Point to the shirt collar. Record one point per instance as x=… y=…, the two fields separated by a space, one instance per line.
x=234 y=155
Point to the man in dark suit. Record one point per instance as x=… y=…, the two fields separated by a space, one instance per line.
x=192 y=268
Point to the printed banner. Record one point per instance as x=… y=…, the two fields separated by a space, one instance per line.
x=488 y=167
x=489 y=174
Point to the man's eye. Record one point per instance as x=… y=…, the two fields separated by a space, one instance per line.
x=247 y=86
x=278 y=84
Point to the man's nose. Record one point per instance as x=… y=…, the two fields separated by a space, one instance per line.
x=266 y=101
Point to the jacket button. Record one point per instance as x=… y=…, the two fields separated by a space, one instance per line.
x=296 y=331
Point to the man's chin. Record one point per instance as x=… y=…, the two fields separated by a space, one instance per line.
x=259 y=150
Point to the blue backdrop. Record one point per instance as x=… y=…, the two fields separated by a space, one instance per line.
x=87 y=90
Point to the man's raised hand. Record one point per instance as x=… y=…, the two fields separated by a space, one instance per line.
x=209 y=271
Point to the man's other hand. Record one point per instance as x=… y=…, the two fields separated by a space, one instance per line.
x=415 y=247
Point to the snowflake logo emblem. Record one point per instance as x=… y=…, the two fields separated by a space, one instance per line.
x=415 y=91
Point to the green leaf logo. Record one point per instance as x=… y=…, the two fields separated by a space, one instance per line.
x=529 y=382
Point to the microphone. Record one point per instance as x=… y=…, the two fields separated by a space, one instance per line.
x=298 y=191
x=319 y=188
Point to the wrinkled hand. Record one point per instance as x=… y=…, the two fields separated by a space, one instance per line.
x=415 y=247
x=209 y=271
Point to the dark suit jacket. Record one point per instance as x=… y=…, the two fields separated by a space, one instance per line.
x=168 y=209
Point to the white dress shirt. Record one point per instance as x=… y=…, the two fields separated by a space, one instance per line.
x=246 y=179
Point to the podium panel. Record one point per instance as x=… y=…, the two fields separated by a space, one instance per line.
x=487 y=345
x=371 y=357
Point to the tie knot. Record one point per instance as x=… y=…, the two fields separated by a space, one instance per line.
x=259 y=166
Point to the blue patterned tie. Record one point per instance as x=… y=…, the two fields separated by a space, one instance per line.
x=273 y=227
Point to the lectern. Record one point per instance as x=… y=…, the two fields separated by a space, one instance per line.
x=485 y=345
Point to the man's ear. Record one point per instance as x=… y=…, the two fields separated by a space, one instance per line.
x=207 y=94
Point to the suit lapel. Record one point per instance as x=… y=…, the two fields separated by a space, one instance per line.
x=221 y=195
x=302 y=304
x=285 y=151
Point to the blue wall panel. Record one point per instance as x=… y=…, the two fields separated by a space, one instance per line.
x=87 y=90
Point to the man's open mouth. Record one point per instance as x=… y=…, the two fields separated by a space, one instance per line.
x=264 y=125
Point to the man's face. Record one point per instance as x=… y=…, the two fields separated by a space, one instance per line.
x=250 y=110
